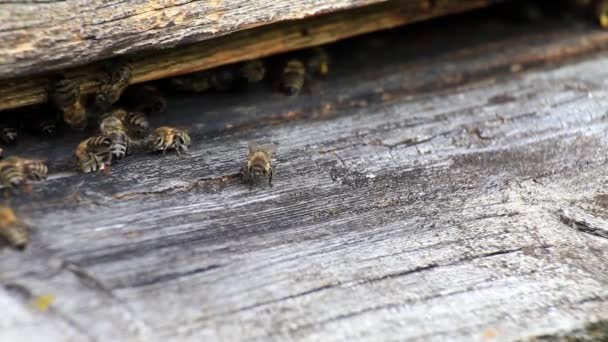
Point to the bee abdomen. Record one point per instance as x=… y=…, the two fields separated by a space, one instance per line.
x=16 y=235
x=10 y=174
x=119 y=146
x=293 y=77
x=37 y=171
x=137 y=119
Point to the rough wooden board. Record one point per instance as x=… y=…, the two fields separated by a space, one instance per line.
x=244 y=45
x=52 y=34
x=432 y=216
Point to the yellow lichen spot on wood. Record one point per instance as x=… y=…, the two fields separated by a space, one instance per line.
x=489 y=334
x=43 y=303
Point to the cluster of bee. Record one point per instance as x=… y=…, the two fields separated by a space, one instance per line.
x=122 y=110
x=121 y=121
x=289 y=74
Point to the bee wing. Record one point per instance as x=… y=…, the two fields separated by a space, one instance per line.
x=253 y=147
x=269 y=149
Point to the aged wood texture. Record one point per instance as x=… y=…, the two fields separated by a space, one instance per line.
x=403 y=208
x=248 y=44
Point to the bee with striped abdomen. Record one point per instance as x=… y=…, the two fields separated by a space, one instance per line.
x=135 y=122
x=94 y=153
x=117 y=77
x=16 y=170
x=166 y=138
x=317 y=61
x=292 y=77
x=252 y=71
x=259 y=163
x=113 y=128
x=12 y=229
x=66 y=96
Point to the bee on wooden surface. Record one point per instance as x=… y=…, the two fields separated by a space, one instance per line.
x=12 y=229
x=317 y=61
x=292 y=77
x=146 y=98
x=66 y=96
x=135 y=122
x=16 y=170
x=223 y=78
x=113 y=128
x=259 y=163
x=93 y=154
x=252 y=71
x=118 y=75
x=165 y=138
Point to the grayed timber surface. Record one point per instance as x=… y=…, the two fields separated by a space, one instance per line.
x=476 y=212
x=54 y=34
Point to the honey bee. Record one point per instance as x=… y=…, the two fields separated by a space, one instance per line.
x=195 y=83
x=252 y=71
x=164 y=138
x=601 y=12
x=12 y=229
x=317 y=61
x=93 y=154
x=113 y=128
x=292 y=77
x=146 y=98
x=259 y=163
x=40 y=121
x=15 y=170
x=135 y=122
x=118 y=75
x=66 y=96
x=8 y=133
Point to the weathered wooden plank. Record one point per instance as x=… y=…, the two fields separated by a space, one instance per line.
x=248 y=44
x=396 y=213
x=57 y=34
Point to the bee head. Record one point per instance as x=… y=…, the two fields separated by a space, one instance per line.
x=102 y=100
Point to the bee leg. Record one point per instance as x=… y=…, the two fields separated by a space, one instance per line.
x=270 y=176
x=27 y=187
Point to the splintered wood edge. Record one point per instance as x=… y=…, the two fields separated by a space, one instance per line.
x=244 y=45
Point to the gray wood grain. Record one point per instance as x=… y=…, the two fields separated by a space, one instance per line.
x=37 y=37
x=469 y=213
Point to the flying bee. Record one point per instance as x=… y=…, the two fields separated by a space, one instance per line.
x=15 y=171
x=164 y=138
x=146 y=98
x=113 y=128
x=135 y=122
x=93 y=154
x=117 y=78
x=12 y=229
x=259 y=163
x=66 y=96
x=317 y=61
x=252 y=71
x=292 y=77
